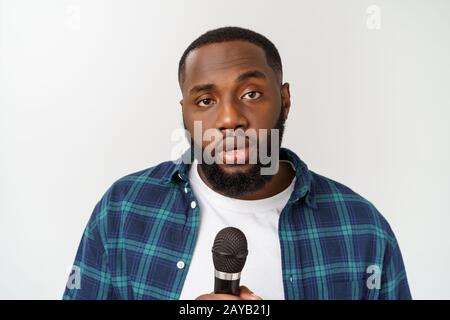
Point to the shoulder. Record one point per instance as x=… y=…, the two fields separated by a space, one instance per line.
x=152 y=178
x=141 y=192
x=343 y=206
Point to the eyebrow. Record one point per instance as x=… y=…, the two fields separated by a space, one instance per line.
x=242 y=77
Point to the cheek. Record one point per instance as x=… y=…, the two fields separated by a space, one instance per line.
x=265 y=120
x=197 y=131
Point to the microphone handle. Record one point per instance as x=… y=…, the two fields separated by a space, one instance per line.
x=226 y=286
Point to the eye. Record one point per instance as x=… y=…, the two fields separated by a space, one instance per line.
x=206 y=102
x=253 y=95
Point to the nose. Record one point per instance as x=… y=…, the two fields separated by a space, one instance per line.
x=230 y=116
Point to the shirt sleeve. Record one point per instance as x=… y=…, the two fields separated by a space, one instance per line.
x=394 y=283
x=90 y=278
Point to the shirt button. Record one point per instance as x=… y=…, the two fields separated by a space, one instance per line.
x=185 y=190
x=180 y=264
x=193 y=204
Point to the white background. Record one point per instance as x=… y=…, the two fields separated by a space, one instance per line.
x=89 y=93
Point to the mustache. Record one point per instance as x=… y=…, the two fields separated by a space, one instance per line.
x=236 y=141
x=231 y=140
x=216 y=142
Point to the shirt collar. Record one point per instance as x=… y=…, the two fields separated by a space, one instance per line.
x=179 y=171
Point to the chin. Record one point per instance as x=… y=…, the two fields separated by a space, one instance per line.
x=236 y=168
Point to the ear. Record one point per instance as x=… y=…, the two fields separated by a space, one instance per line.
x=285 y=99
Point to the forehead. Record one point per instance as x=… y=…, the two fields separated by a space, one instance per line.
x=216 y=62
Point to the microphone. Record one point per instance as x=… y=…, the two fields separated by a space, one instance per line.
x=229 y=253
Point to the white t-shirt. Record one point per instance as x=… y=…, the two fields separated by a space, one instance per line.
x=258 y=219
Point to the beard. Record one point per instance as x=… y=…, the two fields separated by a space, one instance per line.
x=236 y=184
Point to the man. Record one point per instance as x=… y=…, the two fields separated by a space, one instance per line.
x=309 y=237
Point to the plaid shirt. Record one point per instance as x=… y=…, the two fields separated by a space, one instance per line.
x=140 y=239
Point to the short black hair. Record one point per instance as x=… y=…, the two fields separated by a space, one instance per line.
x=231 y=34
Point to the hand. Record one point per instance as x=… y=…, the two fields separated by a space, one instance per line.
x=244 y=294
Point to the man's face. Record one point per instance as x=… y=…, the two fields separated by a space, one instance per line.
x=229 y=85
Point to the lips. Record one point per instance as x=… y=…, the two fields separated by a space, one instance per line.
x=234 y=153
x=235 y=150
x=235 y=156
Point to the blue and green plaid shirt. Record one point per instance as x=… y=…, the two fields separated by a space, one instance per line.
x=139 y=241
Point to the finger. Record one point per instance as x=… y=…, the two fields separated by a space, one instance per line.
x=244 y=289
x=217 y=297
x=246 y=294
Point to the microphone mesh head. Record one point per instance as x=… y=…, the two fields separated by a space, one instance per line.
x=229 y=250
